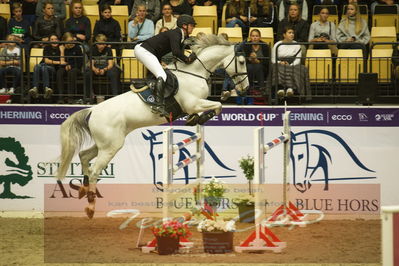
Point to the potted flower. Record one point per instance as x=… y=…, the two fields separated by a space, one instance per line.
x=168 y=235
x=246 y=203
x=217 y=236
x=213 y=193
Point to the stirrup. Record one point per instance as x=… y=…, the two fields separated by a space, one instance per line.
x=159 y=109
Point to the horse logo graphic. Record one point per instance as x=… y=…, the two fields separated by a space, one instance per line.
x=14 y=167
x=155 y=138
x=312 y=154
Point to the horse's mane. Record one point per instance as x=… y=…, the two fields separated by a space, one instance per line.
x=208 y=40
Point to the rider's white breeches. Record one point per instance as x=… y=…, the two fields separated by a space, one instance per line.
x=150 y=61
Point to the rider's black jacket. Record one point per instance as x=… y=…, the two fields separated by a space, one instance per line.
x=166 y=42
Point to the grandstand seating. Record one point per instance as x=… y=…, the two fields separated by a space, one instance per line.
x=385 y=16
x=121 y=13
x=131 y=67
x=380 y=62
x=5 y=11
x=235 y=34
x=206 y=16
x=349 y=65
x=36 y=56
x=383 y=34
x=319 y=64
x=198 y=30
x=92 y=14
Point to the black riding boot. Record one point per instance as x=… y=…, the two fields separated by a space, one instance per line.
x=159 y=98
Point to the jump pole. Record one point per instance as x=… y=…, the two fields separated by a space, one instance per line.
x=390 y=235
x=169 y=169
x=259 y=239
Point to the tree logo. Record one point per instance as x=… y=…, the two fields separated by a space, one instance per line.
x=14 y=168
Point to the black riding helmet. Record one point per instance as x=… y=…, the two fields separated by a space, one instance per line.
x=185 y=19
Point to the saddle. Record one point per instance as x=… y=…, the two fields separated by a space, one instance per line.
x=145 y=90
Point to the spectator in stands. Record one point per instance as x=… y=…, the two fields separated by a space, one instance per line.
x=3 y=28
x=10 y=65
x=352 y=29
x=18 y=26
x=59 y=8
x=383 y=2
x=73 y=67
x=323 y=31
x=236 y=14
x=285 y=5
x=102 y=63
x=179 y=7
x=140 y=28
x=29 y=10
x=107 y=25
x=294 y=20
x=47 y=24
x=78 y=24
x=153 y=8
x=167 y=20
x=257 y=54
x=262 y=13
x=291 y=74
x=52 y=60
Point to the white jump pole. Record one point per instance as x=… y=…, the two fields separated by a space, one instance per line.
x=390 y=240
x=169 y=169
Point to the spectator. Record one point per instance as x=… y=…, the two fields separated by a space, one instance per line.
x=285 y=5
x=59 y=8
x=102 y=63
x=352 y=29
x=73 y=67
x=262 y=13
x=18 y=26
x=323 y=31
x=383 y=2
x=290 y=73
x=29 y=10
x=258 y=55
x=47 y=24
x=3 y=28
x=294 y=20
x=52 y=61
x=153 y=8
x=107 y=25
x=179 y=7
x=78 y=24
x=236 y=14
x=10 y=65
x=167 y=20
x=140 y=28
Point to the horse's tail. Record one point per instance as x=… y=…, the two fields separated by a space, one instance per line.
x=73 y=133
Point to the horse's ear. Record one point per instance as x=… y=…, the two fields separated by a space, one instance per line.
x=241 y=59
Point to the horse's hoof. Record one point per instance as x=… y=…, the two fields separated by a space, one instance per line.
x=205 y=117
x=192 y=120
x=82 y=192
x=89 y=212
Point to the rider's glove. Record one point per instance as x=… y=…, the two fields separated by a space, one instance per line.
x=191 y=58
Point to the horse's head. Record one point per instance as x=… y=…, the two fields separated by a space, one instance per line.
x=236 y=68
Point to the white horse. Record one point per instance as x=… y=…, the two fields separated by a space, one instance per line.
x=109 y=122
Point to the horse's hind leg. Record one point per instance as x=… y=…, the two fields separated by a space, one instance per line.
x=85 y=157
x=102 y=160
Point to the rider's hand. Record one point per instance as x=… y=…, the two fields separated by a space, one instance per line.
x=191 y=58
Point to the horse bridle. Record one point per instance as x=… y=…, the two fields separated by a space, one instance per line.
x=234 y=58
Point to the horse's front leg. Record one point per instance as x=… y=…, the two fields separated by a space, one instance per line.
x=208 y=109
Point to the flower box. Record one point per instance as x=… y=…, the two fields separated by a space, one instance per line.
x=217 y=242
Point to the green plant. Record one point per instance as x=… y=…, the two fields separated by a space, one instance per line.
x=244 y=199
x=247 y=166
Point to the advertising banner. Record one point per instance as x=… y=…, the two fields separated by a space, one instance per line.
x=342 y=159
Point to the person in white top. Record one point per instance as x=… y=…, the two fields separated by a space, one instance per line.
x=286 y=59
x=10 y=65
x=167 y=20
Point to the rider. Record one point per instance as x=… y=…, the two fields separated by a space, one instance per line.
x=151 y=51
